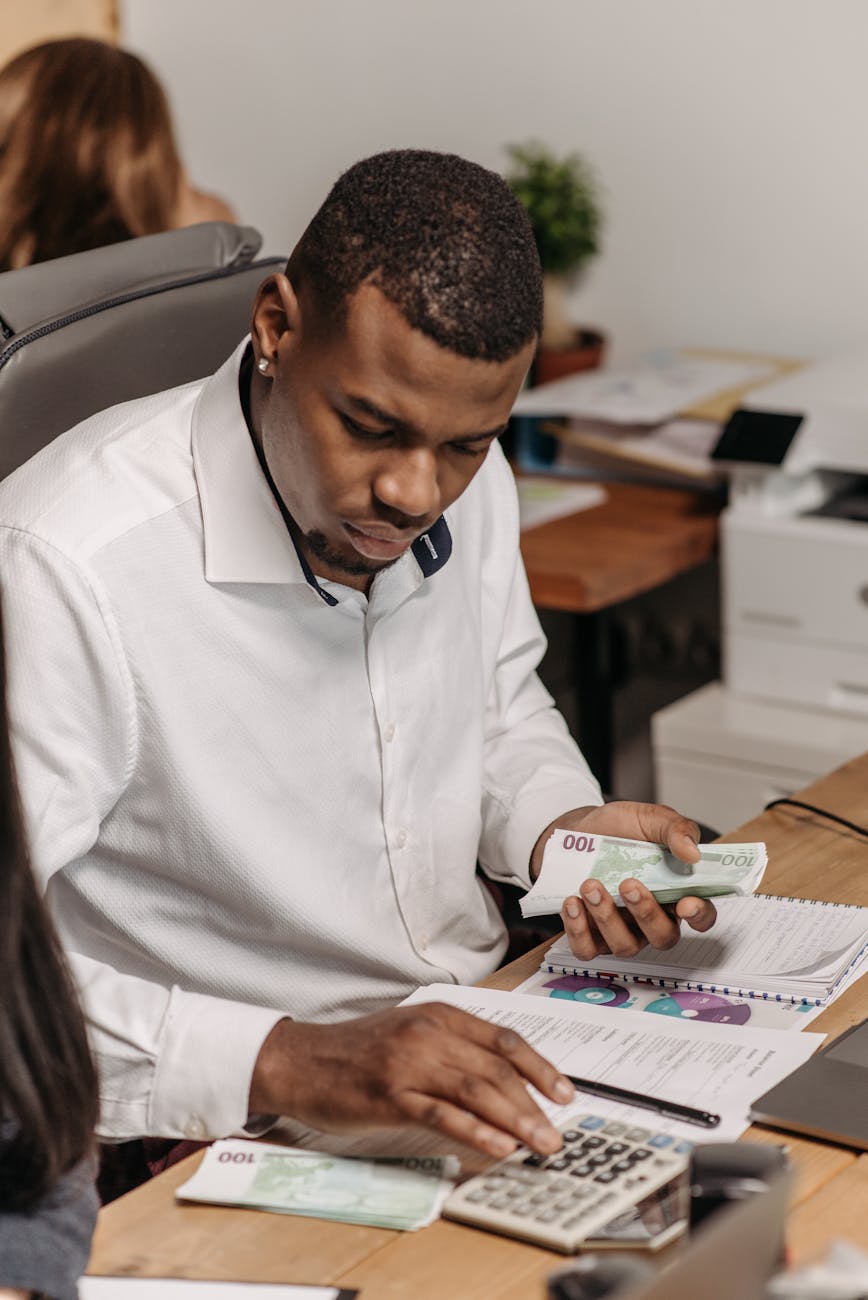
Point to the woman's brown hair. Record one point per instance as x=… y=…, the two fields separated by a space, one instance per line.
x=48 y=1087
x=87 y=152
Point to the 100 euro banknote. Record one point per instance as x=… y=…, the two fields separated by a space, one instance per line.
x=570 y=857
x=402 y=1193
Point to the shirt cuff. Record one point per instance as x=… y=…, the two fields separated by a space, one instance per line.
x=207 y=1054
x=532 y=814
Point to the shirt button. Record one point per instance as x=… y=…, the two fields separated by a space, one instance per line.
x=389 y=732
x=195 y=1128
x=401 y=838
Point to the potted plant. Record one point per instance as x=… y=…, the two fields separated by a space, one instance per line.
x=562 y=200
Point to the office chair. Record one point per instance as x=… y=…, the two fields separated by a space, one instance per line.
x=80 y=333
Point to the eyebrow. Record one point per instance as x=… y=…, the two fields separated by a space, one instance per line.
x=363 y=405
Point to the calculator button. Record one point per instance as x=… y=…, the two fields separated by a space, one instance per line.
x=571 y=1135
x=591 y=1143
x=683 y=1148
x=547 y=1216
x=605 y=1177
x=574 y=1220
x=479 y=1195
x=617 y=1148
x=637 y=1135
x=660 y=1140
x=535 y=1159
x=641 y=1153
x=601 y=1158
x=622 y=1166
x=581 y=1171
x=592 y=1122
x=615 y=1129
x=561 y=1163
x=500 y=1203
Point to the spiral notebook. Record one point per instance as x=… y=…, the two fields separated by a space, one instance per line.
x=782 y=949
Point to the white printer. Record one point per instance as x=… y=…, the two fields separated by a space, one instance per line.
x=794 y=557
x=794 y=540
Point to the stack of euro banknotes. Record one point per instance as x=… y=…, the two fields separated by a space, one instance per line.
x=571 y=857
x=403 y=1193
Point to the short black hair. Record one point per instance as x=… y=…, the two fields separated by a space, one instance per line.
x=444 y=239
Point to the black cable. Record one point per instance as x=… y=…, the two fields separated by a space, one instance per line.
x=822 y=812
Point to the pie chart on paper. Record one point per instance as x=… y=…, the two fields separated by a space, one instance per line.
x=588 y=988
x=690 y=1005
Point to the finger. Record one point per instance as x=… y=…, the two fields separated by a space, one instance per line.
x=614 y=928
x=699 y=913
x=684 y=841
x=455 y=1123
x=508 y=1062
x=583 y=937
x=663 y=825
x=484 y=1070
x=657 y=926
x=511 y=1048
x=501 y=1109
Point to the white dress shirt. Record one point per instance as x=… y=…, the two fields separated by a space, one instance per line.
x=246 y=801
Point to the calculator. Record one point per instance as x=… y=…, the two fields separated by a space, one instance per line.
x=604 y=1170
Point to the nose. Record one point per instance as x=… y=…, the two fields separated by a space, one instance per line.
x=408 y=483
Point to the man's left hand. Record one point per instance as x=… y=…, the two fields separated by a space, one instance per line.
x=592 y=922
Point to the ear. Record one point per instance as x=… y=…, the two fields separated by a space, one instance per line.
x=276 y=315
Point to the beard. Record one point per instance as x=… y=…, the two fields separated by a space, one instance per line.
x=358 y=566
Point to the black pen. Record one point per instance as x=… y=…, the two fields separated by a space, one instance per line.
x=670 y=1109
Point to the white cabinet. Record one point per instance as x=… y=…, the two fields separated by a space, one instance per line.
x=720 y=757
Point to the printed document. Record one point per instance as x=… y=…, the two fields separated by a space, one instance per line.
x=716 y=1067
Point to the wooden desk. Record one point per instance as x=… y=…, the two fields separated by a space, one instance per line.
x=146 y=1234
x=638 y=539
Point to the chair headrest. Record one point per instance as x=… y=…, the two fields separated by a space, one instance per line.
x=81 y=333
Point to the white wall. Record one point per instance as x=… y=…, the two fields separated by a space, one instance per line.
x=730 y=135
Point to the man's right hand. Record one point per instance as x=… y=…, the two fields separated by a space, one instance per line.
x=430 y=1064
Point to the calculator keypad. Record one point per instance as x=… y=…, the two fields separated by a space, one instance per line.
x=603 y=1169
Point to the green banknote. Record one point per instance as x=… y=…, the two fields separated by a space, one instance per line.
x=402 y=1193
x=571 y=857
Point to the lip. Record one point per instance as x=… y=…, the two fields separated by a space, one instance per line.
x=379 y=546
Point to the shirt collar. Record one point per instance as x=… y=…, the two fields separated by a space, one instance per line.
x=245 y=536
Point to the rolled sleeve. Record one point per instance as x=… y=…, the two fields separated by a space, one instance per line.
x=533 y=769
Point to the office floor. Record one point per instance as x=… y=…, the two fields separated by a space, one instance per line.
x=665 y=645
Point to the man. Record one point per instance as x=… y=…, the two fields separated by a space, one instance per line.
x=274 y=692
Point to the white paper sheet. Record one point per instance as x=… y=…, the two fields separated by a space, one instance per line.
x=647 y=393
x=169 y=1288
x=721 y=1068
x=543 y=499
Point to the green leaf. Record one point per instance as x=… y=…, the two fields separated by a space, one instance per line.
x=561 y=197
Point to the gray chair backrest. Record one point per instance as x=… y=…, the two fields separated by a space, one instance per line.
x=81 y=333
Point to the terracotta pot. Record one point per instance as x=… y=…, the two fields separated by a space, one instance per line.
x=554 y=363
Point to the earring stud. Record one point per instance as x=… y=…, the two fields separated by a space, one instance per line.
x=263 y=365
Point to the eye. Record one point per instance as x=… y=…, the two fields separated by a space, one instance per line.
x=359 y=431
x=475 y=450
